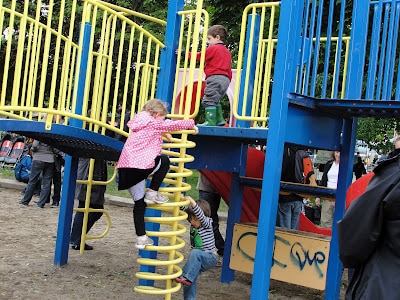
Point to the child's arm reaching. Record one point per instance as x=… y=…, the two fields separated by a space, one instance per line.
x=192 y=202
x=168 y=136
x=170 y=126
x=205 y=221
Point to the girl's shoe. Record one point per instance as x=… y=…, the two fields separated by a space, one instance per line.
x=143 y=241
x=154 y=197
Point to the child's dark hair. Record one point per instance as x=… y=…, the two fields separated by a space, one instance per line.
x=218 y=30
x=204 y=206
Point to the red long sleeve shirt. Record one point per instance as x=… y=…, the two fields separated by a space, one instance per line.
x=217 y=61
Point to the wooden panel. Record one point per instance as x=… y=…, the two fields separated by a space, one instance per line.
x=299 y=257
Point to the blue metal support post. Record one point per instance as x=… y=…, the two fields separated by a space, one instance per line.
x=71 y=164
x=334 y=271
x=284 y=83
x=234 y=214
x=354 y=86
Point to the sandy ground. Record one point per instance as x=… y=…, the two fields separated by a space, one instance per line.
x=108 y=272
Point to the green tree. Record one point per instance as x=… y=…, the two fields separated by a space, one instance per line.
x=377 y=133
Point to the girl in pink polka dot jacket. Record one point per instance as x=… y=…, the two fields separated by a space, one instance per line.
x=141 y=157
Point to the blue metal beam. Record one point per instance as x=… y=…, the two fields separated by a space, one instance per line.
x=71 y=140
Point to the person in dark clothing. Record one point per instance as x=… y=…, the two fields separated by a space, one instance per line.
x=125 y=120
x=96 y=199
x=290 y=204
x=23 y=169
x=42 y=164
x=358 y=168
x=57 y=177
x=209 y=193
x=368 y=235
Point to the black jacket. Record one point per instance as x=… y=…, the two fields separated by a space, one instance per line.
x=99 y=174
x=359 y=169
x=324 y=179
x=369 y=236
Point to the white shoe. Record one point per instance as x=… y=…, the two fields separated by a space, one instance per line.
x=143 y=241
x=153 y=197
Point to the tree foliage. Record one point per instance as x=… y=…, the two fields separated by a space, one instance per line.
x=377 y=133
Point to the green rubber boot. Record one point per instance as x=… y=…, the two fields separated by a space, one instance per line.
x=220 y=117
x=211 y=117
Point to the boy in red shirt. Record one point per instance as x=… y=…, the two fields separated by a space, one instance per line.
x=217 y=68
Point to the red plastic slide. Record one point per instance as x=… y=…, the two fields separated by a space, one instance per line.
x=357 y=188
x=251 y=197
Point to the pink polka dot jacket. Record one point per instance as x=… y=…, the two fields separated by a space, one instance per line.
x=145 y=140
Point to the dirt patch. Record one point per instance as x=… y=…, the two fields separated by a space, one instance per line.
x=108 y=272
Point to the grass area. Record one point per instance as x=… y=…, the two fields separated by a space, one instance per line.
x=112 y=188
x=7 y=173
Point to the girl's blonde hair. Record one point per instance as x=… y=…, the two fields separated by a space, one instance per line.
x=155 y=106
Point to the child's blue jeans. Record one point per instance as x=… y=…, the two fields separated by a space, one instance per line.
x=198 y=261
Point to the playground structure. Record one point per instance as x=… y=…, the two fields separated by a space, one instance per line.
x=289 y=88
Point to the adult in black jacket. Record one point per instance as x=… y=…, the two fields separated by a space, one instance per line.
x=96 y=199
x=359 y=168
x=369 y=235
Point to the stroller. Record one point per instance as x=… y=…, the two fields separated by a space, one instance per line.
x=11 y=159
x=6 y=145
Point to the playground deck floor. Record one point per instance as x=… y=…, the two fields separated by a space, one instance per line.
x=108 y=272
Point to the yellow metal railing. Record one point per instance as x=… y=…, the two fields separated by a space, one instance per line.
x=90 y=182
x=29 y=47
x=41 y=59
x=261 y=83
x=41 y=72
x=192 y=39
x=137 y=52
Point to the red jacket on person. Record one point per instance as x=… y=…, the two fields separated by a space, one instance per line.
x=217 y=61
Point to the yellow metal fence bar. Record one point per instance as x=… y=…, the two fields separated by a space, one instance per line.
x=45 y=63
x=346 y=59
x=90 y=182
x=118 y=67
x=105 y=66
x=55 y=80
x=1 y=19
x=19 y=57
x=26 y=69
x=264 y=63
x=8 y=52
x=127 y=75
x=190 y=36
x=250 y=10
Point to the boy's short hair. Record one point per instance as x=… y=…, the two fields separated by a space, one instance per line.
x=204 y=206
x=217 y=30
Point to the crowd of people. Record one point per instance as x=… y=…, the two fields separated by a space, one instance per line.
x=40 y=166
